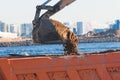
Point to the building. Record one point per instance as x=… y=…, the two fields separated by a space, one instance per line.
x=8 y=35
x=12 y=28
x=68 y=25
x=99 y=30
x=7 y=28
x=2 y=26
x=115 y=26
x=79 y=28
x=25 y=30
x=75 y=30
x=117 y=22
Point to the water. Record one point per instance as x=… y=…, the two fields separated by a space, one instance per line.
x=58 y=48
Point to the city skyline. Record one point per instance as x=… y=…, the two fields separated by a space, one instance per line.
x=24 y=30
x=87 y=26
x=101 y=11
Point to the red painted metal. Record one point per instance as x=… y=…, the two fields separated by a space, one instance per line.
x=103 y=66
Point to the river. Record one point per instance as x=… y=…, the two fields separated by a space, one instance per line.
x=58 y=48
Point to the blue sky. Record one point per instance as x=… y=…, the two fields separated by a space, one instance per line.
x=102 y=11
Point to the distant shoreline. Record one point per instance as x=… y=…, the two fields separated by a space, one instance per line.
x=98 y=39
x=29 y=42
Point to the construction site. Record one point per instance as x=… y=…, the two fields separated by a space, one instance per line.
x=72 y=65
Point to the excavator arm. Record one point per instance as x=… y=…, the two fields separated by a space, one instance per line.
x=51 y=9
x=57 y=7
x=39 y=8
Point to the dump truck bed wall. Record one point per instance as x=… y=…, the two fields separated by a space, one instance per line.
x=84 y=67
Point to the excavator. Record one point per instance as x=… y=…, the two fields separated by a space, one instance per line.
x=46 y=29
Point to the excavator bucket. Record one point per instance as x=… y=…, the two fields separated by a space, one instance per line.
x=57 y=7
x=46 y=30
